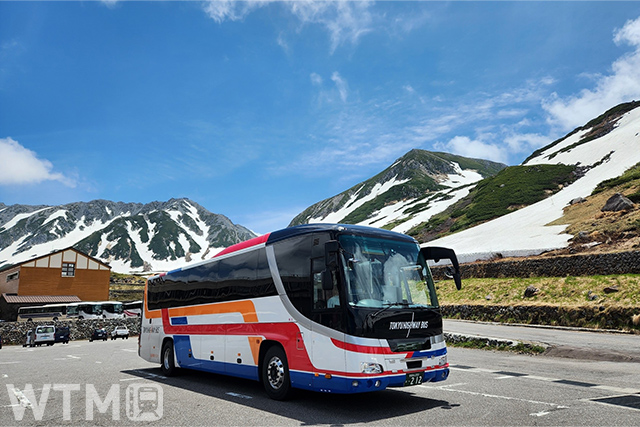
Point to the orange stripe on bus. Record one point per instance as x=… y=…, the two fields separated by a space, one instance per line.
x=246 y=308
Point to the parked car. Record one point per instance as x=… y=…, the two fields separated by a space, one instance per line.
x=40 y=335
x=120 y=332
x=0 y=341
x=98 y=334
x=62 y=334
x=28 y=338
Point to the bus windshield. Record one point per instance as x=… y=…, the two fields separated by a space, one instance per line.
x=385 y=273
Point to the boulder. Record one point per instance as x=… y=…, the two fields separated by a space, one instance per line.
x=617 y=203
x=577 y=200
x=530 y=291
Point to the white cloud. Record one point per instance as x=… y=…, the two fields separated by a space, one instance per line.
x=316 y=79
x=19 y=165
x=341 y=85
x=465 y=146
x=231 y=10
x=621 y=85
x=345 y=21
x=525 y=142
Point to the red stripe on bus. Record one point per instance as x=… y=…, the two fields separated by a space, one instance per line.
x=363 y=348
x=243 y=245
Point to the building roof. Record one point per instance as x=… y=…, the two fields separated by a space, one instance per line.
x=6 y=267
x=39 y=299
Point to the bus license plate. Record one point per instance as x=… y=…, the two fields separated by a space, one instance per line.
x=414 y=378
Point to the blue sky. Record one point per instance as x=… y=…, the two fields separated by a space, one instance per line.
x=256 y=110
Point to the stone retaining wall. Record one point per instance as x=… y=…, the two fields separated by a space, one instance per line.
x=15 y=332
x=560 y=266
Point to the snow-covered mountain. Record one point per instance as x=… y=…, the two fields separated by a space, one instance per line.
x=423 y=186
x=603 y=149
x=157 y=236
x=416 y=186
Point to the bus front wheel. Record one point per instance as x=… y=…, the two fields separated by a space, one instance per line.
x=168 y=361
x=275 y=374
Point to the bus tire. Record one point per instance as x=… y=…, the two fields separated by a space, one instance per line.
x=168 y=364
x=275 y=374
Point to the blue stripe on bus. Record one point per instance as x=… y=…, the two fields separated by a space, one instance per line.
x=429 y=353
x=179 y=320
x=174 y=271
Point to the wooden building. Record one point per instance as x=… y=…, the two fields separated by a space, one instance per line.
x=67 y=272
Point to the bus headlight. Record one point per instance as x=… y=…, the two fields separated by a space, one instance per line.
x=370 y=368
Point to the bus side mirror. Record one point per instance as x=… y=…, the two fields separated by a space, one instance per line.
x=436 y=253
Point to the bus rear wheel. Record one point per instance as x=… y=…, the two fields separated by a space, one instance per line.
x=275 y=374
x=168 y=362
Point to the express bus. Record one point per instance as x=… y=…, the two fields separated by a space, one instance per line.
x=49 y=312
x=112 y=309
x=324 y=307
x=133 y=308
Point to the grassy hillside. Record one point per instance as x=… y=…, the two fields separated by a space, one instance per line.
x=512 y=188
x=565 y=291
x=597 y=231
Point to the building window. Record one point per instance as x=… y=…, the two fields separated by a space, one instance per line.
x=13 y=276
x=68 y=269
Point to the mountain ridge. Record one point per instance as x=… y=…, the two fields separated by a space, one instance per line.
x=129 y=236
x=413 y=180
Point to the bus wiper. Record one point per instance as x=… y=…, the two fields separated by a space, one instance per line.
x=388 y=305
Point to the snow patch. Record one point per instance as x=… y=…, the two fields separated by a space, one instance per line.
x=526 y=229
x=354 y=203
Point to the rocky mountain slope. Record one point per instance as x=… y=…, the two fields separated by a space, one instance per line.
x=157 y=236
x=414 y=187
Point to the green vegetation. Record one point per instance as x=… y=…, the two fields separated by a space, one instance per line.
x=418 y=168
x=511 y=189
x=629 y=178
x=558 y=291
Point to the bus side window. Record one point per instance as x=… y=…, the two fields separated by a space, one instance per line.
x=321 y=298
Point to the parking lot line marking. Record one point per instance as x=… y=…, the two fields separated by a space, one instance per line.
x=494 y=396
x=9 y=363
x=535 y=377
x=72 y=356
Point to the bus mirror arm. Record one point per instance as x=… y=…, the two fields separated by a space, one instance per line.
x=436 y=253
x=331 y=251
x=327 y=280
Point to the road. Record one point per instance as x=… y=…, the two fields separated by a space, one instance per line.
x=71 y=384
x=567 y=342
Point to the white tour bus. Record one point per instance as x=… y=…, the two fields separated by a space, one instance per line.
x=323 y=307
x=132 y=309
x=47 y=312
x=86 y=309
x=112 y=309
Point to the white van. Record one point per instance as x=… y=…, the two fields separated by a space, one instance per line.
x=41 y=335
